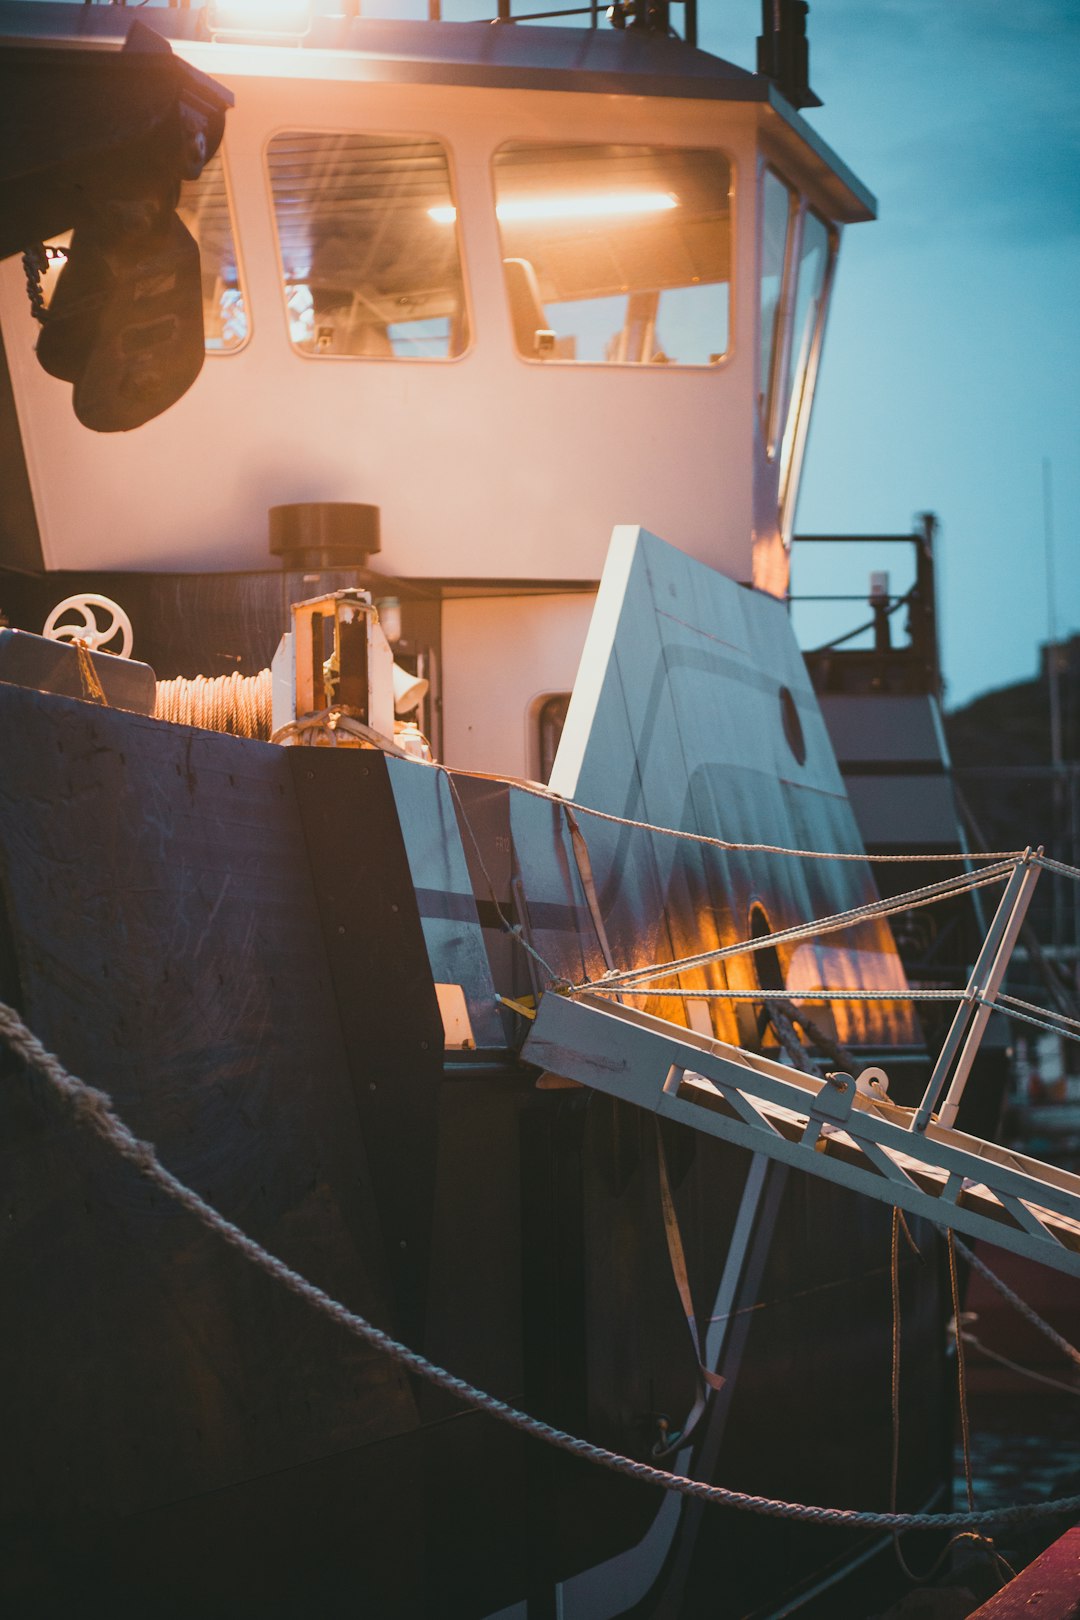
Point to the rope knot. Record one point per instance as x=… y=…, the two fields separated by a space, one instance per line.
x=144 y=1156
x=91 y=1102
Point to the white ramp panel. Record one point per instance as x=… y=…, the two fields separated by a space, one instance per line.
x=677 y=720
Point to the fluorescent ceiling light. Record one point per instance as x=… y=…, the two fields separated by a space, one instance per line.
x=574 y=207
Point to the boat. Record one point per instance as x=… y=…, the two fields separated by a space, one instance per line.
x=511 y=337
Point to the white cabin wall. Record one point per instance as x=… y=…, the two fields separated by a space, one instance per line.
x=487 y=466
x=501 y=657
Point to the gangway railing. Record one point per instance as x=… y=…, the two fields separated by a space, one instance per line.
x=836 y=1128
x=917 y=666
x=652 y=16
x=843 y=1127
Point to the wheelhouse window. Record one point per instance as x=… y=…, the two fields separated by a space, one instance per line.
x=368 y=243
x=817 y=249
x=777 y=217
x=616 y=254
x=204 y=208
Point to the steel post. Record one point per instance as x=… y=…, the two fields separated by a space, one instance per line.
x=962 y=1041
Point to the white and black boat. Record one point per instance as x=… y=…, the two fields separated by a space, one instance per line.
x=473 y=297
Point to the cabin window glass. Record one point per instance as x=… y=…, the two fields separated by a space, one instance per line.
x=204 y=208
x=616 y=254
x=777 y=213
x=368 y=240
x=815 y=257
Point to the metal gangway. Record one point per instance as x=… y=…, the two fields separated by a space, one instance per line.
x=842 y=1127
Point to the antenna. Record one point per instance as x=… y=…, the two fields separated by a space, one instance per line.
x=1053 y=680
x=783 y=53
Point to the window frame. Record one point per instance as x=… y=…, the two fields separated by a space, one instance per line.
x=377 y=129
x=802 y=406
x=769 y=404
x=734 y=229
x=241 y=271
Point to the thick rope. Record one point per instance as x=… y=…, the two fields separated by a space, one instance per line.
x=92 y=689
x=974 y=1259
x=984 y=1543
x=1062 y=868
x=1002 y=1004
x=237 y=704
x=894 y=1290
x=734 y=847
x=1004 y=1568
x=1025 y=1018
x=961 y=1373
x=678 y=994
x=641 y=981
x=1045 y=1012
x=1021 y=1372
x=977 y=876
x=835 y=922
x=331 y=728
x=93 y=1108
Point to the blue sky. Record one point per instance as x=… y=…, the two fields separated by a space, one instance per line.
x=952 y=366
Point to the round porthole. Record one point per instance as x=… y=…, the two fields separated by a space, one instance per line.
x=766 y=961
x=752 y=1018
x=793 y=731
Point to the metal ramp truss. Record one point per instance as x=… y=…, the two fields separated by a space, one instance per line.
x=841 y=1128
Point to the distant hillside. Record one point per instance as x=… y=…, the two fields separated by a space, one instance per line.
x=1000 y=746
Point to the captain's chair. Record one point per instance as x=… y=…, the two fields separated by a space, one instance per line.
x=533 y=336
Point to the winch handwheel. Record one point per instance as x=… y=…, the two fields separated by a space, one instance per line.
x=94 y=631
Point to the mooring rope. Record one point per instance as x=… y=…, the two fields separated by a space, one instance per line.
x=734 y=846
x=1002 y=1004
x=984 y=1543
x=927 y=895
x=678 y=994
x=1039 y=1323
x=1062 y=868
x=92 y=1107
x=333 y=727
x=1046 y=1012
x=1021 y=1372
x=92 y=689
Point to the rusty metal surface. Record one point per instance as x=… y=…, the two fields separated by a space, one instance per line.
x=1048 y=1589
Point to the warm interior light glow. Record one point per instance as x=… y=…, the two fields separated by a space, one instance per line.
x=260 y=17
x=583 y=207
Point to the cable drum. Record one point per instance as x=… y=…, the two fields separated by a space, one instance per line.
x=237 y=704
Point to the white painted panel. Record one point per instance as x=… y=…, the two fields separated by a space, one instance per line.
x=501 y=656
x=677 y=722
